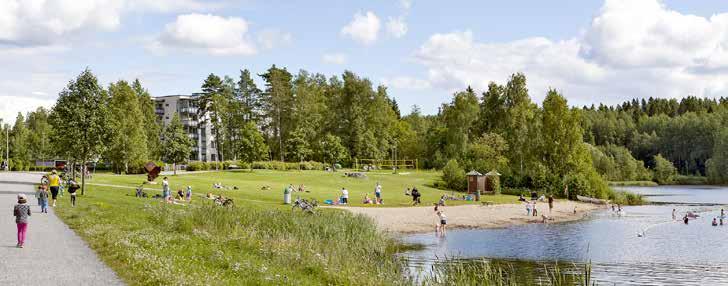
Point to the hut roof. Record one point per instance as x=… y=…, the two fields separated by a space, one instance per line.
x=473 y=173
x=493 y=173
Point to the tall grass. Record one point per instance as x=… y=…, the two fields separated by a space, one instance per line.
x=148 y=243
x=486 y=272
x=633 y=184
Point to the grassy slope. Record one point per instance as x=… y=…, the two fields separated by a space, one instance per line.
x=260 y=241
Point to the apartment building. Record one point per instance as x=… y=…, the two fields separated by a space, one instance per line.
x=198 y=128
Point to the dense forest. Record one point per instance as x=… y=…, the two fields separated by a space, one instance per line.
x=312 y=117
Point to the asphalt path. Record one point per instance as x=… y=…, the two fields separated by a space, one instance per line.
x=53 y=253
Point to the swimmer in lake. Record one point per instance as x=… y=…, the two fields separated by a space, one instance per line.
x=685 y=219
x=715 y=222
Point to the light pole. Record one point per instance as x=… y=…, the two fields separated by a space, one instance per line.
x=7 y=148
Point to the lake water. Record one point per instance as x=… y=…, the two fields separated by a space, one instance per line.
x=670 y=253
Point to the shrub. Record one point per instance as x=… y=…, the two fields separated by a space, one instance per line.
x=196 y=166
x=665 y=172
x=691 y=180
x=454 y=176
x=626 y=198
x=243 y=165
x=494 y=182
x=16 y=165
x=262 y=165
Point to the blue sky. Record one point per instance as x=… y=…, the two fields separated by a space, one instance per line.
x=591 y=51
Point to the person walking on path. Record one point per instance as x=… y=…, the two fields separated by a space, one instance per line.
x=72 y=188
x=43 y=199
x=551 y=203
x=165 y=189
x=344 y=196
x=378 y=193
x=54 y=181
x=21 y=211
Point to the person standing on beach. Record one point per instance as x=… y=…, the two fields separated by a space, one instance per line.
x=54 y=181
x=673 y=215
x=443 y=221
x=551 y=203
x=21 y=211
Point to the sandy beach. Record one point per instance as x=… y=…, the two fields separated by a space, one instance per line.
x=424 y=219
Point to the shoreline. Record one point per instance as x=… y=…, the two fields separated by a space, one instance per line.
x=411 y=220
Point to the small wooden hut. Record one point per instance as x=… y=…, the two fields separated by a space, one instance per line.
x=476 y=183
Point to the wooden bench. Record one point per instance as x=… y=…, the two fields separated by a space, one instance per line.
x=486 y=203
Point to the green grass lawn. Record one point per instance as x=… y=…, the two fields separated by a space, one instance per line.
x=322 y=186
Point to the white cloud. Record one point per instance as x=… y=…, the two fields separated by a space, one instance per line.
x=631 y=49
x=207 y=33
x=405 y=82
x=22 y=104
x=335 y=58
x=35 y=23
x=396 y=27
x=364 y=28
x=647 y=34
x=406 y=4
x=273 y=38
x=173 y=5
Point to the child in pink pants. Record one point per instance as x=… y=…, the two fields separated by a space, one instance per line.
x=22 y=213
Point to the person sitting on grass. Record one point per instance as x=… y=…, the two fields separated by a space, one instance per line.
x=180 y=195
x=367 y=199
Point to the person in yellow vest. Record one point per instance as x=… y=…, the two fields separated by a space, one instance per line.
x=54 y=182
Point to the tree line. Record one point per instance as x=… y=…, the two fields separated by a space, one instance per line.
x=337 y=119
